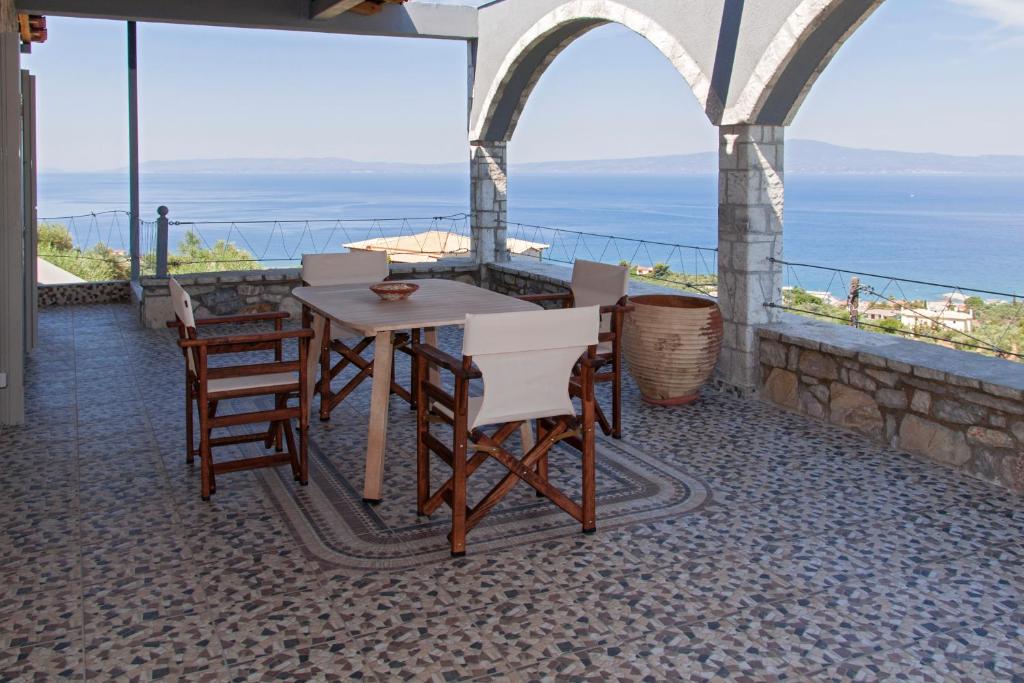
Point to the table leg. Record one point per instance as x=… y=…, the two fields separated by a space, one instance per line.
x=378 y=434
x=526 y=436
x=318 y=323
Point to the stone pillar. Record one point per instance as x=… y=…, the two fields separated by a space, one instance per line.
x=750 y=199
x=488 y=200
x=12 y=248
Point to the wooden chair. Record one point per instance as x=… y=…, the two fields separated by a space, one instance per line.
x=352 y=268
x=206 y=387
x=526 y=361
x=607 y=286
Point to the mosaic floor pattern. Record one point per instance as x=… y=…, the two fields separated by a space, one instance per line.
x=815 y=554
x=332 y=523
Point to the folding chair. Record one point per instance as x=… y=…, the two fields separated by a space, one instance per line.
x=526 y=361
x=206 y=387
x=352 y=268
x=607 y=286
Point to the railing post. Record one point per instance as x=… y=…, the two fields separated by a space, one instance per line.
x=133 y=156
x=853 y=301
x=161 y=241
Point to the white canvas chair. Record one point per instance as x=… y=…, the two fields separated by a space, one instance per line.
x=206 y=387
x=527 y=362
x=607 y=286
x=352 y=268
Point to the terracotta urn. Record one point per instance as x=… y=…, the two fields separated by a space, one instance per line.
x=671 y=344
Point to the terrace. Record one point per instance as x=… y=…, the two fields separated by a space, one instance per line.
x=734 y=540
x=838 y=505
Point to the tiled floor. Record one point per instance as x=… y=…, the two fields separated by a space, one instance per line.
x=820 y=556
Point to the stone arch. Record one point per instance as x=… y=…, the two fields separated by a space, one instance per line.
x=537 y=48
x=800 y=51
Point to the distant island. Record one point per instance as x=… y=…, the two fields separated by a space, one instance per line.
x=802 y=157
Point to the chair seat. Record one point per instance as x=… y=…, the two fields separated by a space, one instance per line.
x=251 y=382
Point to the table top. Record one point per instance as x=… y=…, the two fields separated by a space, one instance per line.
x=435 y=304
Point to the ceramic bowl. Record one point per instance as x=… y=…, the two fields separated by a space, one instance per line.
x=393 y=291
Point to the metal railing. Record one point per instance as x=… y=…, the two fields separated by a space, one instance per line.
x=675 y=265
x=991 y=322
x=969 y=318
x=282 y=242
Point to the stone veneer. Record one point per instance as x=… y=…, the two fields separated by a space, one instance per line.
x=488 y=199
x=750 y=203
x=956 y=408
x=77 y=293
x=252 y=291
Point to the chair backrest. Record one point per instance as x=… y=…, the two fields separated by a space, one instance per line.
x=599 y=284
x=182 y=303
x=352 y=268
x=526 y=360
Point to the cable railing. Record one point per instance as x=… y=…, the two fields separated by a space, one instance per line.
x=282 y=242
x=95 y=246
x=679 y=266
x=969 y=318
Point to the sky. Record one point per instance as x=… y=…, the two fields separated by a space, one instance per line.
x=921 y=75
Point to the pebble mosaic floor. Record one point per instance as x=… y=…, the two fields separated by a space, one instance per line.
x=817 y=555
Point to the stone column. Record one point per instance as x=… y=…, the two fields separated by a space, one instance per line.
x=750 y=199
x=488 y=203
x=12 y=250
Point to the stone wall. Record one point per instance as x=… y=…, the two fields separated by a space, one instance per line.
x=257 y=291
x=515 y=280
x=77 y=293
x=955 y=408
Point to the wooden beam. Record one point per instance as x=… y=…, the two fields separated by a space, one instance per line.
x=415 y=20
x=328 y=9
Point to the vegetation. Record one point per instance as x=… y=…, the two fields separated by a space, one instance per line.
x=663 y=275
x=192 y=257
x=997 y=324
x=100 y=262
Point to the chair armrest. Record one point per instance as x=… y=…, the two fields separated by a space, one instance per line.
x=244 y=318
x=617 y=308
x=564 y=297
x=247 y=339
x=444 y=360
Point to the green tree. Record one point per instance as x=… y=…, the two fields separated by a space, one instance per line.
x=55 y=237
x=661 y=271
x=891 y=325
x=98 y=262
x=192 y=257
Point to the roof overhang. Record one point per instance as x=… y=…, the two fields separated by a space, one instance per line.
x=413 y=20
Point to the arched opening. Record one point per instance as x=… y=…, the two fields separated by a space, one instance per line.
x=497 y=114
x=613 y=143
x=898 y=163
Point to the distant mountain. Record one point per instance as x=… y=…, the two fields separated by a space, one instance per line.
x=299 y=165
x=802 y=157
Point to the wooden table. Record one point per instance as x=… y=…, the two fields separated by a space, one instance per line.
x=437 y=303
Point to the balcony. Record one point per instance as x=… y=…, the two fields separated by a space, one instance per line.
x=734 y=540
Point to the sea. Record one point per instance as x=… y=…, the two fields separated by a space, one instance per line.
x=946 y=232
